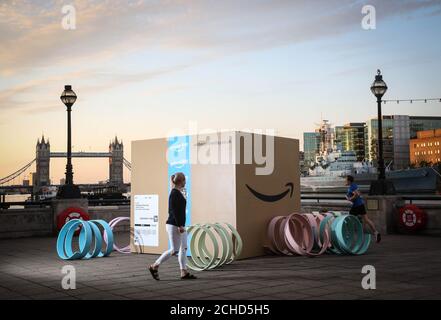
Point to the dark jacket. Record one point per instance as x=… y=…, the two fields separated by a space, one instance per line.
x=176 y=208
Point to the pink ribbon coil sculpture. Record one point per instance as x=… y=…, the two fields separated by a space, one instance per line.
x=312 y=234
x=297 y=234
x=112 y=225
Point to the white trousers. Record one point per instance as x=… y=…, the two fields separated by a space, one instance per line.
x=178 y=244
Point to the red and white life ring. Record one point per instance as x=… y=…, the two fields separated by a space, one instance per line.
x=70 y=214
x=411 y=218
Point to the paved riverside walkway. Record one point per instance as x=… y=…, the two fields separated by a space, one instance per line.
x=407 y=267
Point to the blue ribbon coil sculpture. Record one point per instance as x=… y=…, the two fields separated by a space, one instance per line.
x=90 y=240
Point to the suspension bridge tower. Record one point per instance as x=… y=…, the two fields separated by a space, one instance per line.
x=116 y=162
x=43 y=151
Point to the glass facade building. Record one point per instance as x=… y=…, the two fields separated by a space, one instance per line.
x=397 y=132
x=339 y=136
x=422 y=124
x=353 y=139
x=311 y=146
x=361 y=138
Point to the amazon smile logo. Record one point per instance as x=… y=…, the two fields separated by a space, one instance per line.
x=275 y=197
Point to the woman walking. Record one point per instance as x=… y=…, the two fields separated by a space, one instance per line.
x=175 y=226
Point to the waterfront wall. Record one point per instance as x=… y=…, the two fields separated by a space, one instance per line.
x=38 y=222
x=433 y=219
x=18 y=223
x=108 y=213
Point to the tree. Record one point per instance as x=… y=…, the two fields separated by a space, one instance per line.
x=424 y=164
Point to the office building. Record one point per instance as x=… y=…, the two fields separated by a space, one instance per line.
x=396 y=135
x=311 y=147
x=423 y=124
x=350 y=137
x=303 y=167
x=397 y=131
x=339 y=136
x=425 y=149
x=361 y=138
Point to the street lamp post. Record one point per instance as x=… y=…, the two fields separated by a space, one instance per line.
x=69 y=190
x=381 y=186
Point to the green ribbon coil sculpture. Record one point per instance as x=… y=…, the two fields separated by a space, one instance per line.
x=225 y=245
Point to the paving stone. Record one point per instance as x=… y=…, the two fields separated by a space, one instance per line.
x=338 y=296
x=313 y=292
x=406 y=268
x=50 y=295
x=291 y=296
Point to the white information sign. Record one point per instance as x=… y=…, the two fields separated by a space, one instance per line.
x=146 y=214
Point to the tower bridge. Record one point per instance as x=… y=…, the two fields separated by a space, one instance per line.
x=43 y=154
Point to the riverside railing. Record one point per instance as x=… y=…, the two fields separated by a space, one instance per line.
x=48 y=203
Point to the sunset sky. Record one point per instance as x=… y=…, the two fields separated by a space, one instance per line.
x=143 y=68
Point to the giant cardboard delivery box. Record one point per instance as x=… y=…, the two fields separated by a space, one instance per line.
x=241 y=178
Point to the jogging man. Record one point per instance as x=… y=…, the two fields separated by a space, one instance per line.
x=358 y=208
